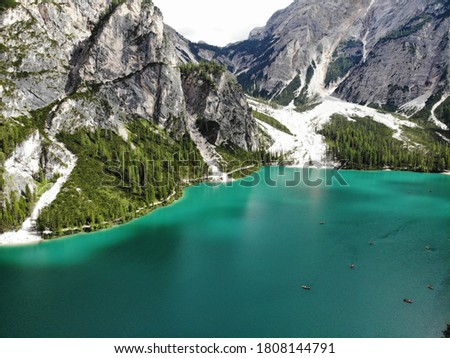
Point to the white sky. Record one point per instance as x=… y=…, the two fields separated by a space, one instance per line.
x=218 y=22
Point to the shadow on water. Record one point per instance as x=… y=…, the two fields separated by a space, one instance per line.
x=100 y=296
x=82 y=248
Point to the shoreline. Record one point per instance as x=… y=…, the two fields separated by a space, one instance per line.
x=330 y=167
x=27 y=233
x=19 y=238
x=22 y=237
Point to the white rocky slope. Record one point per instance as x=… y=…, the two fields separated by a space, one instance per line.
x=39 y=41
x=23 y=164
x=433 y=117
x=306 y=144
x=20 y=169
x=206 y=149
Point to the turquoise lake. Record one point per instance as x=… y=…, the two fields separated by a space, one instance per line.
x=229 y=261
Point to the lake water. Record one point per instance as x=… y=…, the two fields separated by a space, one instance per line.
x=229 y=261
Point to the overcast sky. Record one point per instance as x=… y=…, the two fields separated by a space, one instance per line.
x=218 y=22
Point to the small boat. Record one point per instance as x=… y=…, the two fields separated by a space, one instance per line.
x=427 y=248
x=430 y=287
x=352 y=266
x=322 y=223
x=407 y=300
x=305 y=287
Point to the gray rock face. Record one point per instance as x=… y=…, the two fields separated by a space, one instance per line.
x=408 y=61
x=222 y=113
x=371 y=51
x=98 y=63
x=38 y=40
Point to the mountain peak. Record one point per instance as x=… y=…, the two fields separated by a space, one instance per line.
x=310 y=50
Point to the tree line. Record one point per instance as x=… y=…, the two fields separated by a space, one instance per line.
x=15 y=208
x=366 y=144
x=116 y=180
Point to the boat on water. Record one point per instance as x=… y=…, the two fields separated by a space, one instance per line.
x=407 y=300
x=430 y=287
x=322 y=223
x=306 y=287
x=352 y=266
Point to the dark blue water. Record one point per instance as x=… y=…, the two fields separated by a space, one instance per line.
x=230 y=262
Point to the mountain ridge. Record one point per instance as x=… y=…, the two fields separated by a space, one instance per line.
x=95 y=77
x=140 y=106
x=361 y=51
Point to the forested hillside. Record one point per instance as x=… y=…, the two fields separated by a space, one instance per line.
x=365 y=144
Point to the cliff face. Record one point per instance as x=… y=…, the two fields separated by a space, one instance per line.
x=37 y=42
x=99 y=63
x=371 y=51
x=294 y=47
x=208 y=102
x=102 y=64
x=75 y=65
x=407 y=61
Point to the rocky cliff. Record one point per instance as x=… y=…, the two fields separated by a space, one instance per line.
x=384 y=52
x=213 y=94
x=72 y=67
x=98 y=63
x=406 y=57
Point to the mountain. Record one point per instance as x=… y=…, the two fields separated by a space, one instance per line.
x=97 y=86
x=316 y=63
x=116 y=50
x=391 y=54
x=106 y=112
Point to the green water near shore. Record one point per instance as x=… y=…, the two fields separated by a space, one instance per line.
x=229 y=261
